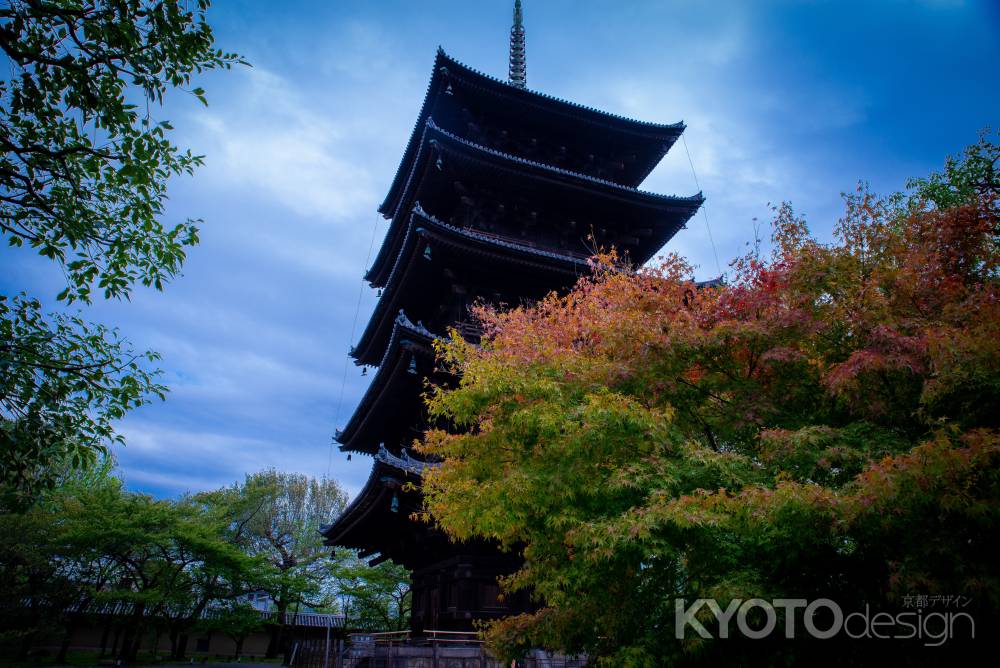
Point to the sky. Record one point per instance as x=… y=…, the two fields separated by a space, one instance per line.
x=784 y=101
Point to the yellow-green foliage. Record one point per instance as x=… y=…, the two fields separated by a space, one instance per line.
x=824 y=425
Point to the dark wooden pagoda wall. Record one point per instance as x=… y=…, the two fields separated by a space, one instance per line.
x=453 y=593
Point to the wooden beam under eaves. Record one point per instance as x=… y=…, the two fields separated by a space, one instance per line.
x=378 y=560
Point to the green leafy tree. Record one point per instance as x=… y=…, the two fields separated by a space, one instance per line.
x=89 y=544
x=236 y=619
x=280 y=515
x=214 y=579
x=40 y=578
x=171 y=557
x=823 y=426
x=63 y=382
x=217 y=588
x=371 y=597
x=83 y=178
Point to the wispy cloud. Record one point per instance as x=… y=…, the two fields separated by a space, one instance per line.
x=270 y=141
x=177 y=461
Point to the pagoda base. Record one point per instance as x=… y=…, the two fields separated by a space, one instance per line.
x=450 y=594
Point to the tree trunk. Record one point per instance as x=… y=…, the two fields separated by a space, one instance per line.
x=126 y=644
x=64 y=645
x=133 y=635
x=182 y=642
x=277 y=633
x=156 y=643
x=104 y=640
x=136 y=643
x=26 y=642
x=239 y=647
x=33 y=618
x=288 y=645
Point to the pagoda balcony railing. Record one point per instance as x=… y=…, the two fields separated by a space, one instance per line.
x=471 y=331
x=427 y=638
x=521 y=241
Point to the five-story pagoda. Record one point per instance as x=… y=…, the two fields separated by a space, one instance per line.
x=500 y=197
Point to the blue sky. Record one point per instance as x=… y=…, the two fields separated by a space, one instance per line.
x=783 y=100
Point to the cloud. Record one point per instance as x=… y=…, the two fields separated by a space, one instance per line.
x=270 y=140
x=175 y=461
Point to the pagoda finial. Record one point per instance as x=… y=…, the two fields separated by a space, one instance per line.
x=518 y=65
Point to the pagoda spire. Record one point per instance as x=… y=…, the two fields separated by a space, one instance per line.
x=518 y=65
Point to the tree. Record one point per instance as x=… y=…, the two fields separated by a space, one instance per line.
x=824 y=426
x=40 y=579
x=62 y=384
x=281 y=515
x=220 y=574
x=171 y=559
x=88 y=544
x=376 y=598
x=83 y=179
x=236 y=619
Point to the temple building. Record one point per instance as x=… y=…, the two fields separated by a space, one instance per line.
x=501 y=196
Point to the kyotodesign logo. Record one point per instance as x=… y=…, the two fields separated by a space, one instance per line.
x=822 y=618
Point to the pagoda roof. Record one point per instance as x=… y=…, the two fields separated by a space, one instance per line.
x=559 y=113
x=373 y=523
x=666 y=212
x=546 y=269
x=404 y=462
x=491 y=244
x=368 y=522
x=393 y=384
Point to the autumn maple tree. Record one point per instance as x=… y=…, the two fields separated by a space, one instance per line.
x=825 y=424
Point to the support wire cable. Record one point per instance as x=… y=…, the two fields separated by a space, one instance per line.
x=354 y=325
x=704 y=209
